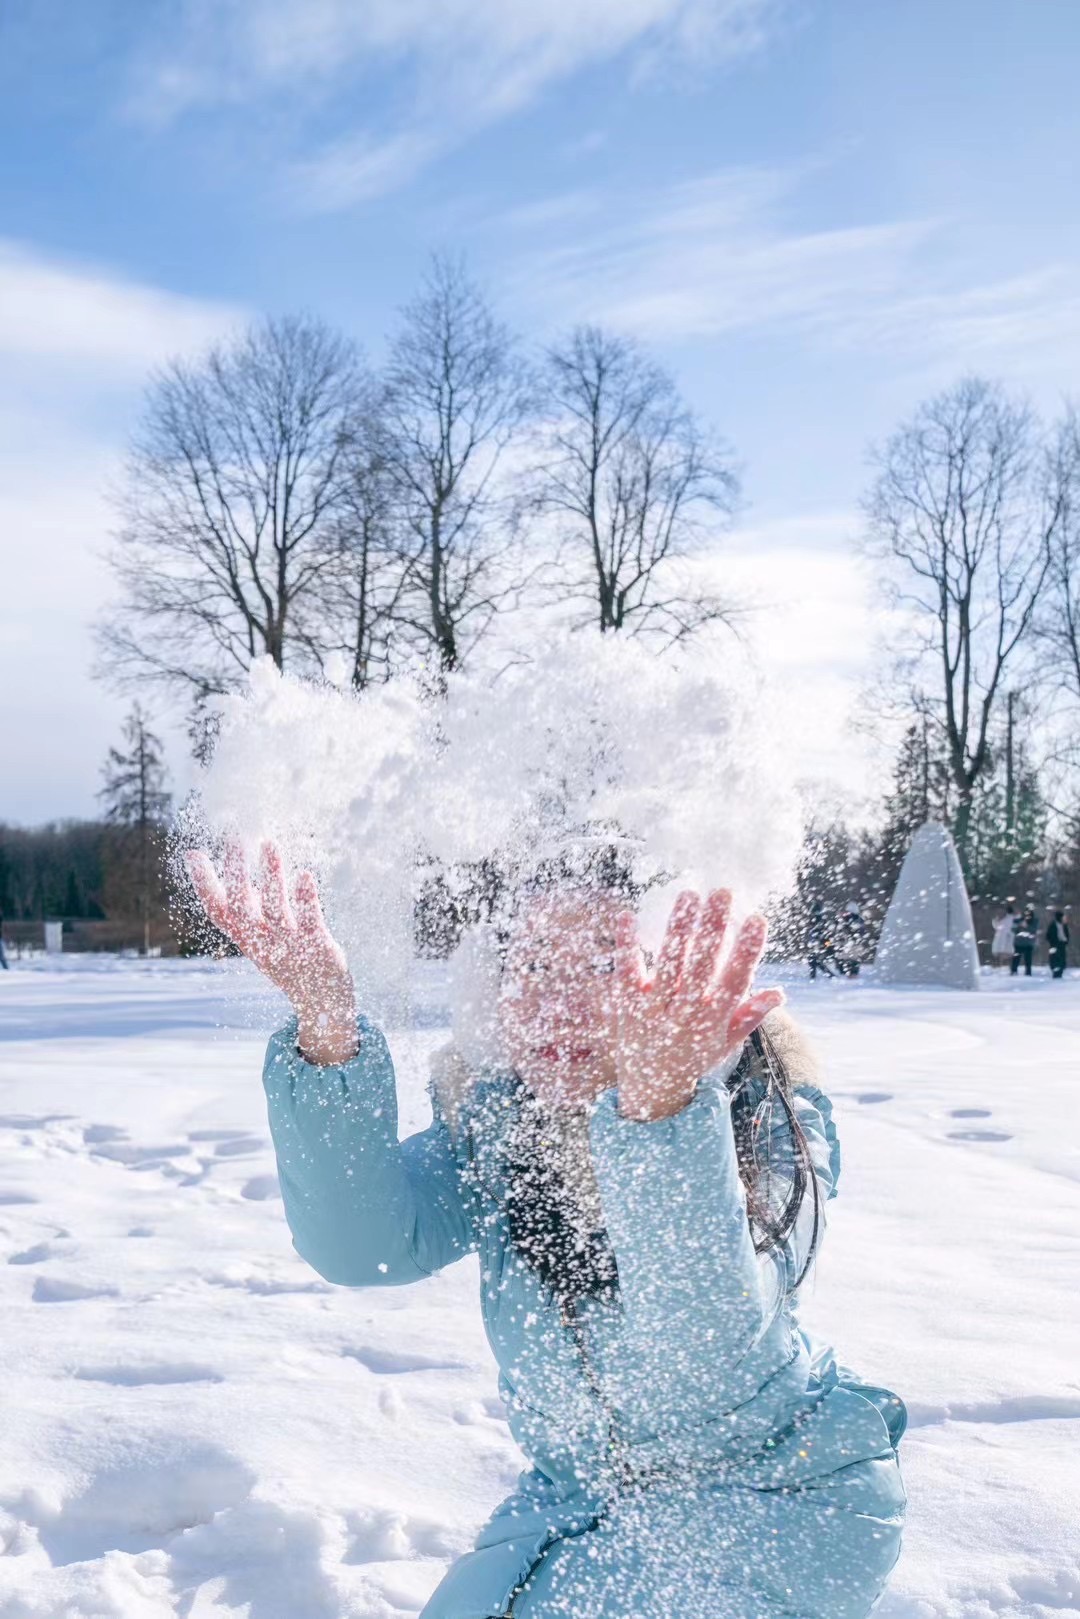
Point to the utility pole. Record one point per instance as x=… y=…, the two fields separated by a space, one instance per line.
x=1010 y=769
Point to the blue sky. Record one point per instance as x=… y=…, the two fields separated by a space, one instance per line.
x=816 y=211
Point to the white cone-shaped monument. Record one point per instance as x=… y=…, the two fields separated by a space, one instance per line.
x=928 y=936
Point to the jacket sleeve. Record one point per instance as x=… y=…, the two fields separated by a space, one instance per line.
x=364 y=1209
x=675 y=1211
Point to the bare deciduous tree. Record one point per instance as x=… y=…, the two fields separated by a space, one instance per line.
x=1059 y=616
x=630 y=479
x=454 y=397
x=236 y=486
x=357 y=610
x=959 y=516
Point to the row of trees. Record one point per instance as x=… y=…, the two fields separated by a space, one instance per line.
x=286 y=499
x=97 y=871
x=1015 y=849
x=974 y=522
x=973 y=526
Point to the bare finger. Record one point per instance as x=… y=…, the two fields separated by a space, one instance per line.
x=214 y=900
x=751 y=1014
x=680 y=930
x=273 y=891
x=738 y=974
x=629 y=965
x=206 y=883
x=309 y=913
x=241 y=895
x=703 y=955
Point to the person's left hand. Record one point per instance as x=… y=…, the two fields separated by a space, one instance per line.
x=672 y=1031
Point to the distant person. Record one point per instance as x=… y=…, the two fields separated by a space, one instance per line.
x=3 y=958
x=851 y=926
x=821 y=948
x=1057 y=937
x=853 y=922
x=1003 y=943
x=1025 y=935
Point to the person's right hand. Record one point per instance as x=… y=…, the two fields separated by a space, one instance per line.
x=288 y=940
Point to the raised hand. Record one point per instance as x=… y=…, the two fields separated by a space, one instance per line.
x=287 y=939
x=695 y=1011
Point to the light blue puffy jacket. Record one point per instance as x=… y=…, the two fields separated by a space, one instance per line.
x=693 y=1455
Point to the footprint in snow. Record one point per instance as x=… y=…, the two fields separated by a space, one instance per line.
x=239 y=1144
x=54 y=1290
x=15 y=1199
x=215 y=1135
x=391 y=1362
x=32 y=1256
x=95 y=1134
x=868 y=1097
x=133 y=1156
x=31 y=1121
x=979 y=1135
x=970 y=1113
x=135 y=1377
x=260 y=1188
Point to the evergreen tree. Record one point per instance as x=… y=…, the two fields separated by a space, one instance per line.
x=136 y=798
x=829 y=872
x=1008 y=833
x=921 y=791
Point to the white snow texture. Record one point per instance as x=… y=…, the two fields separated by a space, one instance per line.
x=197 y=1427
x=597 y=739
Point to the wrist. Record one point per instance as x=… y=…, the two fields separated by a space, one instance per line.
x=648 y=1102
x=327 y=1036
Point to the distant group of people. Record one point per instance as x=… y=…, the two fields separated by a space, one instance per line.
x=834 y=940
x=1016 y=938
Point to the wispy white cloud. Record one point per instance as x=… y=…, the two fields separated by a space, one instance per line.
x=713 y=256
x=461 y=65
x=566 y=207
x=78 y=314
x=358 y=168
x=720 y=255
x=1023 y=315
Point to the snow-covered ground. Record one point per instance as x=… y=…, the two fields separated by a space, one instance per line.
x=194 y=1424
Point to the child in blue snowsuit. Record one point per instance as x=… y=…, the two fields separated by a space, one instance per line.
x=645 y=1188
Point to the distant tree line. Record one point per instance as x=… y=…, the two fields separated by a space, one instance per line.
x=287 y=499
x=105 y=879
x=973 y=525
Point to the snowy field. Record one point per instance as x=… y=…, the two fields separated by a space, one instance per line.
x=194 y=1424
